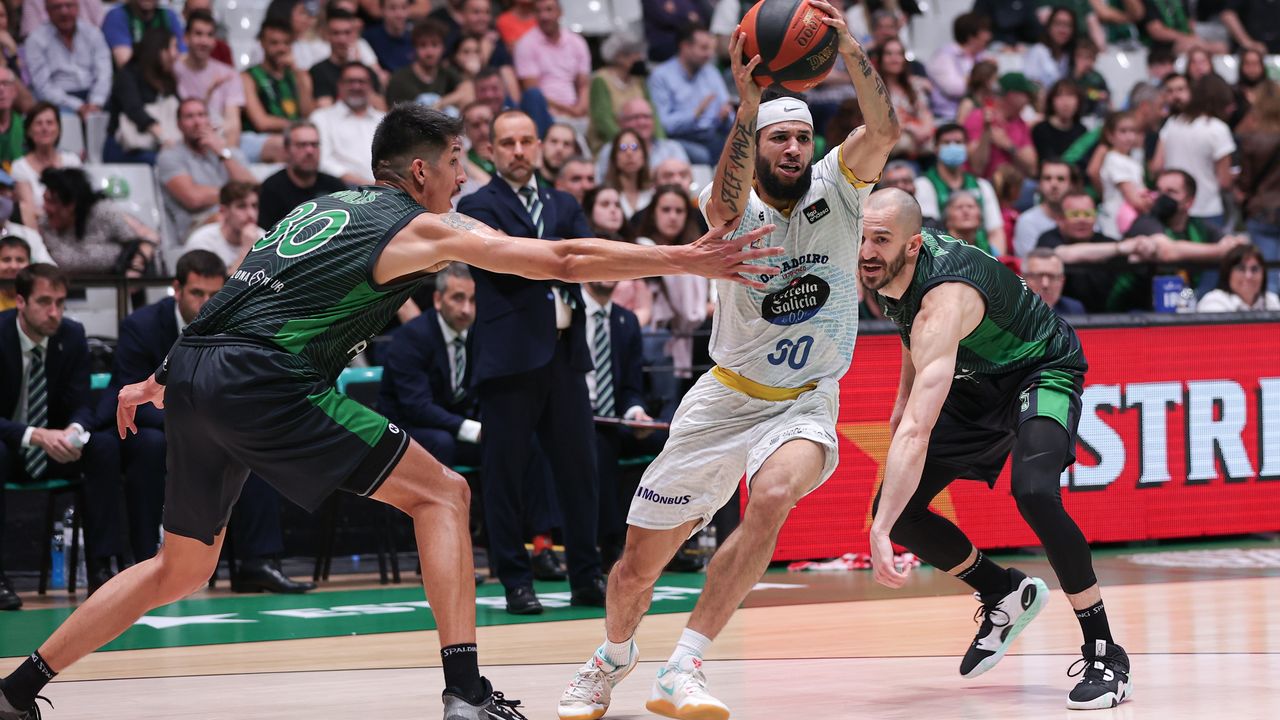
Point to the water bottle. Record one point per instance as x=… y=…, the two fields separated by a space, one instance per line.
x=68 y=529
x=1187 y=300
x=58 y=567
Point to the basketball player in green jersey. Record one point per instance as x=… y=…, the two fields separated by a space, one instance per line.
x=987 y=368
x=249 y=388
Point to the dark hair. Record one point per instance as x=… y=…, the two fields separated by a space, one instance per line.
x=201 y=263
x=1078 y=193
x=1069 y=49
x=280 y=11
x=276 y=24
x=687 y=32
x=71 y=187
x=903 y=78
x=485 y=73
x=25 y=282
x=368 y=72
x=297 y=125
x=1065 y=86
x=428 y=28
x=1211 y=96
x=1240 y=64
x=981 y=76
x=648 y=226
x=588 y=207
x=146 y=60
x=1188 y=182
x=968 y=25
x=334 y=12
x=203 y=16
x=1086 y=44
x=411 y=131
x=1236 y=256
x=1170 y=77
x=30 y=120
x=235 y=191
x=1073 y=172
x=611 y=174
x=950 y=127
x=9 y=241
x=1161 y=54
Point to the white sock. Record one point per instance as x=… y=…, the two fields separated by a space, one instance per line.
x=692 y=644
x=618 y=654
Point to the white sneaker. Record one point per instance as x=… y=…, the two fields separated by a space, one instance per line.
x=681 y=692
x=588 y=694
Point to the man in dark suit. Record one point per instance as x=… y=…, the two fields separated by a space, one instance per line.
x=530 y=367
x=145 y=339
x=615 y=385
x=45 y=414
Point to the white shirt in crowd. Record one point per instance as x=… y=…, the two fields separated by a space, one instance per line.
x=1223 y=301
x=1196 y=146
x=1116 y=168
x=346 y=139
x=209 y=237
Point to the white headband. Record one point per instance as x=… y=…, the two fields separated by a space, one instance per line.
x=783 y=110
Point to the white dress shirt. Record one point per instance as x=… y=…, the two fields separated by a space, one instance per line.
x=346 y=139
x=469 y=431
x=591 y=306
x=564 y=314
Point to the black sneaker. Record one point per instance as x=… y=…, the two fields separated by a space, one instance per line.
x=493 y=707
x=1105 y=682
x=1000 y=620
x=9 y=712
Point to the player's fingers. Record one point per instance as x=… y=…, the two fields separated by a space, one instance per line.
x=757 y=253
x=747 y=238
x=748 y=268
x=751 y=66
x=744 y=280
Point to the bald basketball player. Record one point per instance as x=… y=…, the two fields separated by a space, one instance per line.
x=987 y=369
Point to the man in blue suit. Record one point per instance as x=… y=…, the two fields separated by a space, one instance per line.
x=45 y=413
x=145 y=339
x=615 y=385
x=531 y=361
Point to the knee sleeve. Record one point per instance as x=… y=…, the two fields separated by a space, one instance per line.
x=1038 y=456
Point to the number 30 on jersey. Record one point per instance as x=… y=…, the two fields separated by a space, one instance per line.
x=794 y=353
x=290 y=231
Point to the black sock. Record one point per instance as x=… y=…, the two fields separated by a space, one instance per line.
x=23 y=684
x=462 y=671
x=988 y=578
x=1094 y=625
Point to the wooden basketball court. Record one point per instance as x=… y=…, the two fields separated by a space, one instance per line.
x=1204 y=641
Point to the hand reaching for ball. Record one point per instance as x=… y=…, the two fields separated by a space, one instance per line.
x=748 y=90
x=835 y=19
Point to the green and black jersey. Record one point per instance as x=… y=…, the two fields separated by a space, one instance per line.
x=307 y=287
x=1018 y=331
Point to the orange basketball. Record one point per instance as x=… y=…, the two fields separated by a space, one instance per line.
x=796 y=48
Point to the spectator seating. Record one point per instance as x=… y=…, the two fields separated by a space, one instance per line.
x=134 y=186
x=72 y=138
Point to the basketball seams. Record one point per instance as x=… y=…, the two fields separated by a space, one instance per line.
x=797 y=49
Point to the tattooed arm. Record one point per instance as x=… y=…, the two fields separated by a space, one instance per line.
x=737 y=168
x=865 y=150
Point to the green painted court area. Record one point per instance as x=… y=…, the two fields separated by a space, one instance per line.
x=255 y=618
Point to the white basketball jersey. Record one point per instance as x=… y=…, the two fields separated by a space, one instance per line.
x=802 y=327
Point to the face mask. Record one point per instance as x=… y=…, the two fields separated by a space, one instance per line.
x=6 y=209
x=1164 y=208
x=953 y=155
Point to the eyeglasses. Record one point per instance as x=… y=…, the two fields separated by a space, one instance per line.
x=1249 y=269
x=1042 y=276
x=1080 y=214
x=629 y=146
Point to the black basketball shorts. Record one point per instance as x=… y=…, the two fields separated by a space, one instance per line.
x=235 y=406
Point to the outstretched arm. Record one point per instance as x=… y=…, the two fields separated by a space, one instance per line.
x=736 y=171
x=947 y=314
x=431 y=241
x=865 y=150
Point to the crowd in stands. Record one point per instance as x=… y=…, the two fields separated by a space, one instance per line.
x=1095 y=198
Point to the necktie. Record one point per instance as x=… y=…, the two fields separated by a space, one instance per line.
x=533 y=204
x=459 y=367
x=35 y=459
x=603 y=358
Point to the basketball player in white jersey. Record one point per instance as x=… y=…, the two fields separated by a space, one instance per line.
x=768 y=409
